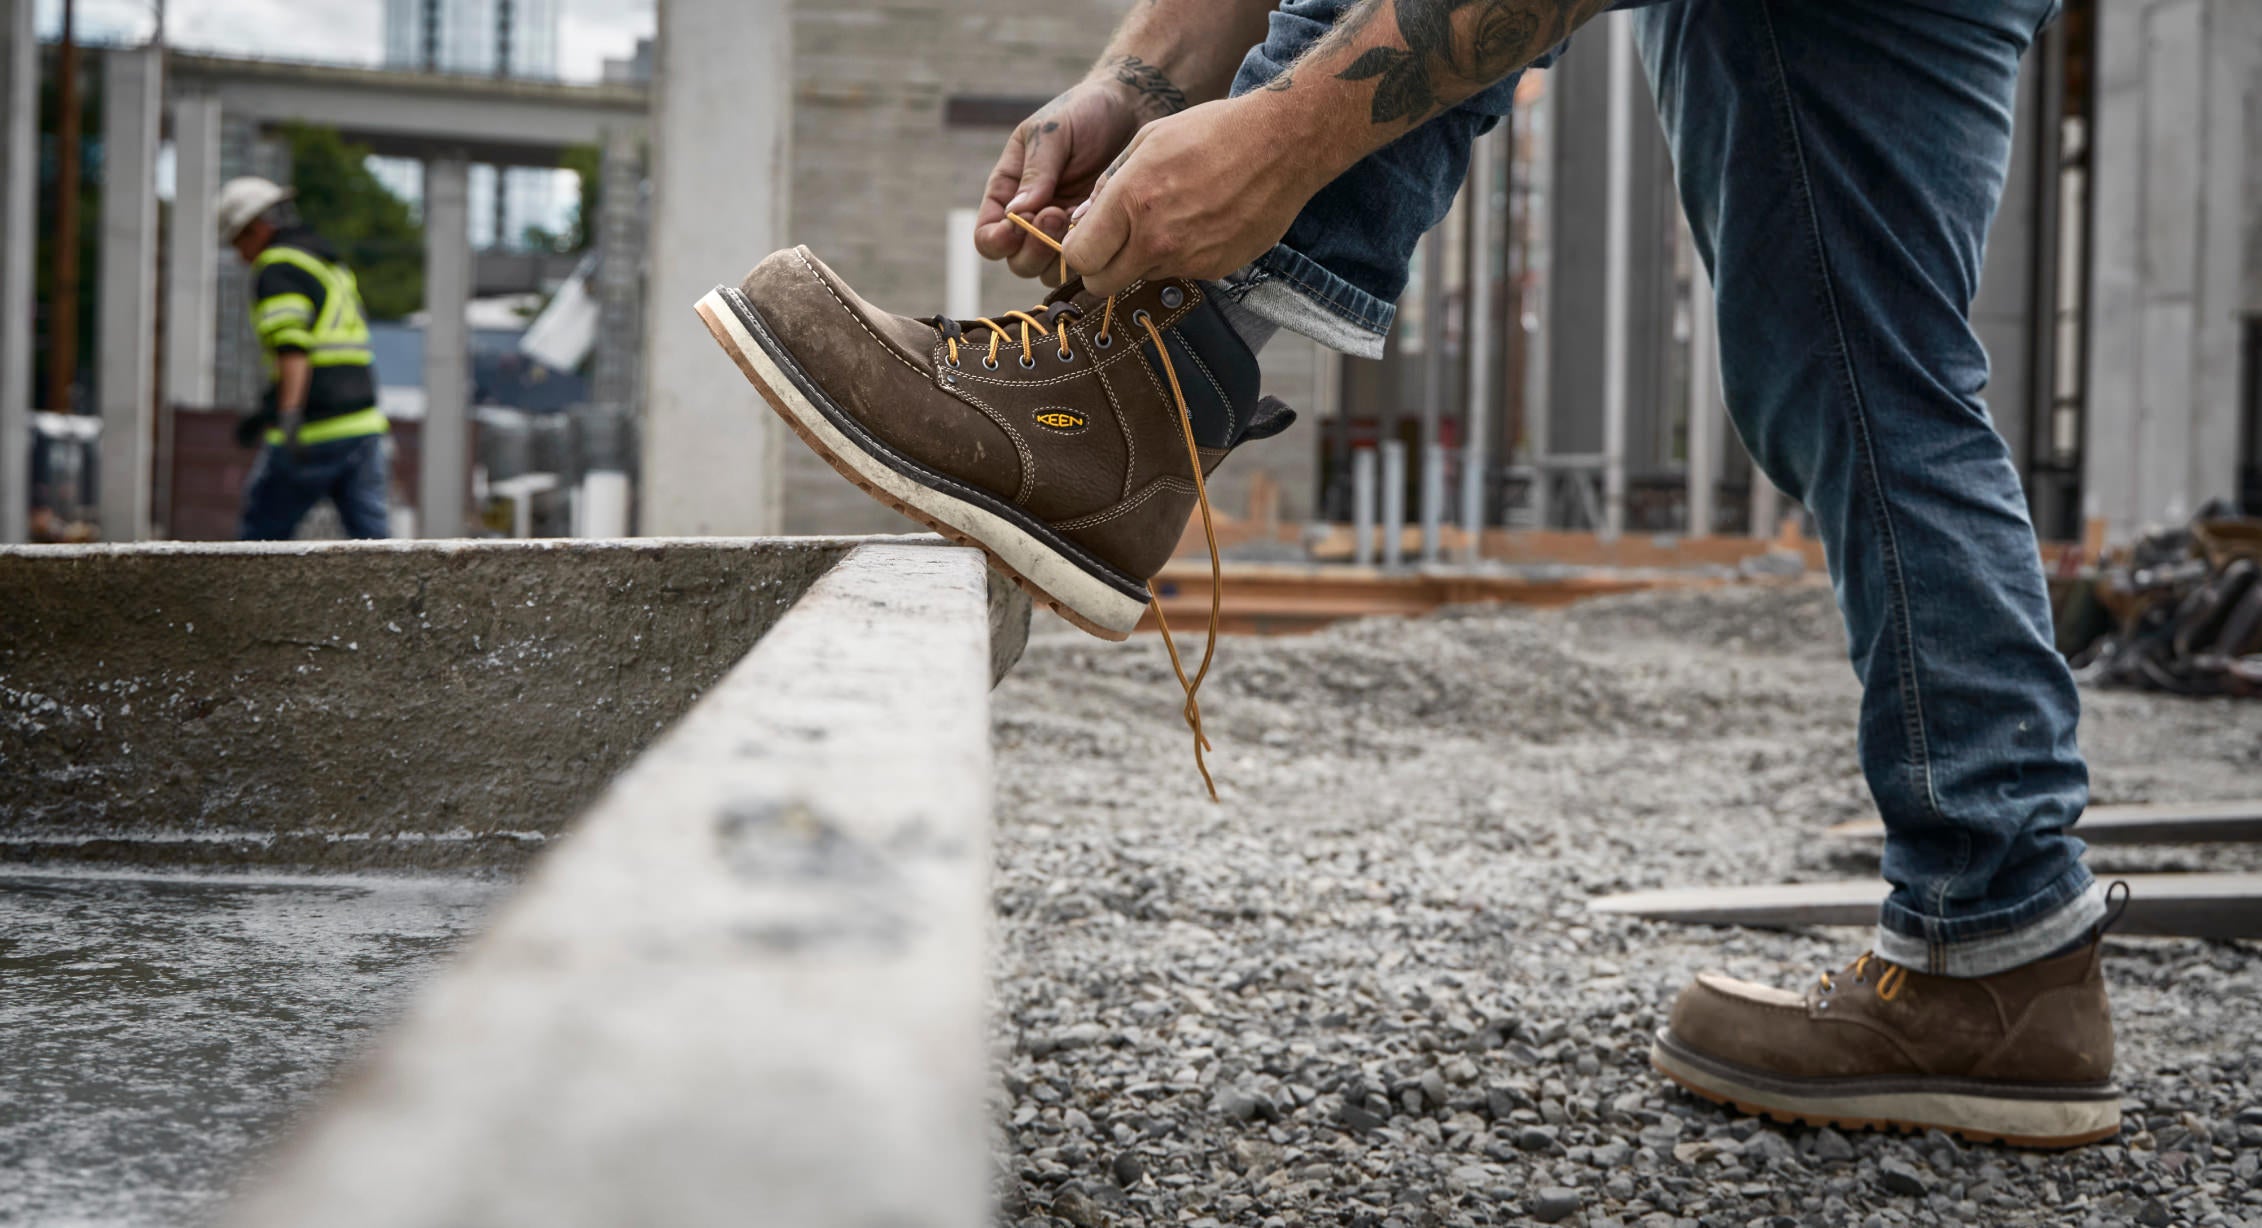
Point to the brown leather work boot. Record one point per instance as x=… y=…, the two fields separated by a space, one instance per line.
x=2023 y=1057
x=1052 y=438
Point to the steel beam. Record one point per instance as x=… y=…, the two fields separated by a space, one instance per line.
x=2159 y=905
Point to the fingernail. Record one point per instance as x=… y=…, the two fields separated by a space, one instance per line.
x=1017 y=203
x=1081 y=210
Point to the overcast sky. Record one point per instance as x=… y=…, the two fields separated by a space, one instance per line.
x=342 y=31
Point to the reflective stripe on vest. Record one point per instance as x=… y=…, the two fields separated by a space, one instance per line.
x=344 y=426
x=339 y=336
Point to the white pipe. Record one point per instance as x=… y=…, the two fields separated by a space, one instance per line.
x=1479 y=339
x=963 y=298
x=1363 y=493
x=1617 y=273
x=1706 y=402
x=1393 y=504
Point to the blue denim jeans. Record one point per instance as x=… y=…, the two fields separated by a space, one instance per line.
x=1840 y=162
x=352 y=473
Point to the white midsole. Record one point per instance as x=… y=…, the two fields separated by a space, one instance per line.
x=2025 y=1119
x=1038 y=563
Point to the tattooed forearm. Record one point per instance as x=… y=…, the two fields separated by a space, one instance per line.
x=1453 y=48
x=1156 y=93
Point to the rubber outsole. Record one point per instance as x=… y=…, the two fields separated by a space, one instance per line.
x=2042 y=1125
x=1092 y=606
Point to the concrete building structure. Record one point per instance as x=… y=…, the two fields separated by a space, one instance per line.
x=445 y=121
x=2174 y=407
x=2119 y=303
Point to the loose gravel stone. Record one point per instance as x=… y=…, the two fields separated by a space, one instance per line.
x=1553 y=1204
x=1902 y=1179
x=1382 y=935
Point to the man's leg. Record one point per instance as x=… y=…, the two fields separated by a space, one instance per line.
x=361 y=491
x=277 y=496
x=1840 y=162
x=1337 y=274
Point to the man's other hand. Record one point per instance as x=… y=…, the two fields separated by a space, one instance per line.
x=1049 y=167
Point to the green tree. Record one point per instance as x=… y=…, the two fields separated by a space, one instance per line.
x=376 y=233
x=586 y=161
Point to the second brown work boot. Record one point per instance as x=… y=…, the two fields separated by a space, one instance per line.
x=2023 y=1057
x=1051 y=438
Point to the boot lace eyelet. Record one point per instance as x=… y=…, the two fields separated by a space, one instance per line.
x=989 y=364
x=1028 y=363
x=1064 y=355
x=1140 y=316
x=1104 y=340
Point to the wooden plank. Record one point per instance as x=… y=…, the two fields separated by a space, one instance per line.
x=747 y=987
x=2227 y=822
x=2160 y=905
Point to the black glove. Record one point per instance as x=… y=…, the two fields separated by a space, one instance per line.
x=251 y=429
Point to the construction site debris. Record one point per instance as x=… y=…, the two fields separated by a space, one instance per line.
x=2179 y=611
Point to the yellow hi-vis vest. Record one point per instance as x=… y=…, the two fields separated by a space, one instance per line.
x=333 y=332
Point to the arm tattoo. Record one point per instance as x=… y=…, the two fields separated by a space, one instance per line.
x=1154 y=89
x=1445 y=49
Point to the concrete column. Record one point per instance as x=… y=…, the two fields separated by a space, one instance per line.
x=19 y=143
x=192 y=292
x=620 y=273
x=721 y=176
x=126 y=309
x=446 y=462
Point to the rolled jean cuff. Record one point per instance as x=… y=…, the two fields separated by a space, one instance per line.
x=1291 y=290
x=1994 y=942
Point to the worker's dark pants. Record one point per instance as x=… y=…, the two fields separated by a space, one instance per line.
x=1840 y=162
x=352 y=473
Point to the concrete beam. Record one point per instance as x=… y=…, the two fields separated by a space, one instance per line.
x=723 y=82
x=493 y=120
x=19 y=144
x=748 y=989
x=192 y=292
x=126 y=306
x=363 y=705
x=445 y=480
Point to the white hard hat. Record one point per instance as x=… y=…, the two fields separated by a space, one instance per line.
x=241 y=201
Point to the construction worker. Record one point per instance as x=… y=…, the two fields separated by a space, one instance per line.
x=324 y=435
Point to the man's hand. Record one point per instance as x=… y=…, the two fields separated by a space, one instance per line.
x=1197 y=195
x=1050 y=165
x=289 y=422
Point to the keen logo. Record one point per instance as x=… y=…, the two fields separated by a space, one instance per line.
x=1066 y=422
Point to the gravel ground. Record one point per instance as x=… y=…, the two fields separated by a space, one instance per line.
x=1365 y=990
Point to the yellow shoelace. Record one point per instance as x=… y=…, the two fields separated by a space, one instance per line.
x=1889 y=982
x=1003 y=334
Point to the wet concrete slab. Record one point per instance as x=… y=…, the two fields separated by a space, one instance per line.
x=162 y=1032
